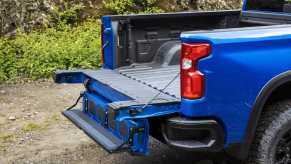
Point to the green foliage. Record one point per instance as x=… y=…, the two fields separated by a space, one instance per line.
x=132 y=6
x=71 y=15
x=39 y=53
x=5 y=137
x=32 y=127
x=157 y=6
x=218 y=4
x=5 y=140
x=63 y=34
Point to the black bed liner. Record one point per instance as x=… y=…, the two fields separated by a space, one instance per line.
x=142 y=83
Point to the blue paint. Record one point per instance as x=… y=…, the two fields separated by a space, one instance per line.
x=140 y=140
x=71 y=77
x=240 y=64
x=108 y=38
x=151 y=111
x=98 y=101
x=244 y=7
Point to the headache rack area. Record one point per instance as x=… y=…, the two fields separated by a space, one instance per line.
x=142 y=83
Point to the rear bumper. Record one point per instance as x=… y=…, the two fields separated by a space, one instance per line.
x=193 y=135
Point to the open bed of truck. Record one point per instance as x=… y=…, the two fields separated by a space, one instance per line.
x=143 y=51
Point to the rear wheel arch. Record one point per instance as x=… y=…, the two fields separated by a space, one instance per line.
x=267 y=94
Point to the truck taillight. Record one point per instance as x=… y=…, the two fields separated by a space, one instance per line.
x=102 y=44
x=192 y=80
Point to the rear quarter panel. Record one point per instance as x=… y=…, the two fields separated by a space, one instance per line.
x=242 y=62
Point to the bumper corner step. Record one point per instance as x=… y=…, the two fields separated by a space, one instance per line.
x=97 y=132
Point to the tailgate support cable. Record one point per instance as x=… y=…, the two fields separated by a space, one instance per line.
x=160 y=92
x=126 y=144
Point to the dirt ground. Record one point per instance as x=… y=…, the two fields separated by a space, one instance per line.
x=32 y=130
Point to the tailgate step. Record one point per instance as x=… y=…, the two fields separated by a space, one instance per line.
x=95 y=131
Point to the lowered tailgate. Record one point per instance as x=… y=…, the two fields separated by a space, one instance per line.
x=141 y=83
x=118 y=103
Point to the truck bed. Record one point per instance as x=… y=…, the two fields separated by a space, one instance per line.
x=147 y=49
x=142 y=83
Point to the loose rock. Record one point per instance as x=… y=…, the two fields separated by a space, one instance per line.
x=12 y=118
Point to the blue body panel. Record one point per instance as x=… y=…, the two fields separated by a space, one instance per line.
x=244 y=6
x=240 y=65
x=109 y=43
x=140 y=140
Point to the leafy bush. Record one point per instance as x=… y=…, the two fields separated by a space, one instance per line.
x=39 y=53
x=157 y=6
x=132 y=6
x=34 y=14
x=62 y=41
x=218 y=4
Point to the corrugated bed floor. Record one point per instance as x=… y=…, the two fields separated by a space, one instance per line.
x=142 y=83
x=156 y=78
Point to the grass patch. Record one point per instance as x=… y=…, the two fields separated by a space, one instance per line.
x=2 y=122
x=32 y=127
x=54 y=117
x=2 y=147
x=7 y=138
x=36 y=127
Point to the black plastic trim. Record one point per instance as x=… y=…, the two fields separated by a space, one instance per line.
x=213 y=141
x=265 y=17
x=241 y=150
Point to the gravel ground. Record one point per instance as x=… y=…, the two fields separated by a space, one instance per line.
x=32 y=130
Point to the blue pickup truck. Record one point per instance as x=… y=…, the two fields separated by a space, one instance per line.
x=207 y=82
